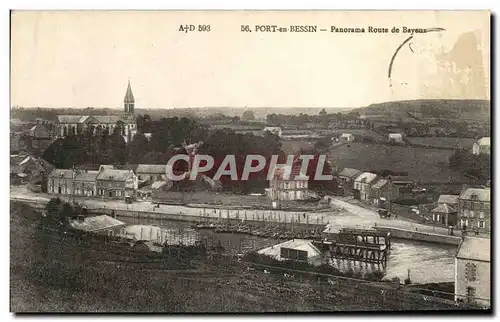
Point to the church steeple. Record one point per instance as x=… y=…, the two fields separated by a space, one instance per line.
x=129 y=101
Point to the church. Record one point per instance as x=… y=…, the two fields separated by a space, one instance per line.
x=76 y=124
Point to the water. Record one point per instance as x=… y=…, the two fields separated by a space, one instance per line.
x=428 y=263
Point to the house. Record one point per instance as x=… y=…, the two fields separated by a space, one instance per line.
x=40 y=132
x=402 y=183
x=78 y=124
x=86 y=183
x=363 y=184
x=482 y=146
x=347 y=176
x=472 y=271
x=151 y=172
x=395 y=138
x=444 y=214
x=18 y=142
x=60 y=181
x=474 y=209
x=288 y=184
x=30 y=168
x=346 y=137
x=114 y=183
x=301 y=250
x=382 y=191
x=274 y=130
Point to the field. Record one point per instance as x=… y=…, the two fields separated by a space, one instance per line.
x=292 y=146
x=446 y=142
x=423 y=165
x=56 y=272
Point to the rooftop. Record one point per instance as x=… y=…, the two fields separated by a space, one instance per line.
x=444 y=208
x=366 y=177
x=380 y=184
x=87 y=176
x=114 y=175
x=96 y=223
x=151 y=168
x=61 y=173
x=479 y=194
x=474 y=248
x=349 y=172
x=298 y=244
x=484 y=141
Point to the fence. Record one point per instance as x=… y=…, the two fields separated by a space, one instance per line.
x=383 y=296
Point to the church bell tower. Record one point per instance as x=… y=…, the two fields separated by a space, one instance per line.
x=128 y=101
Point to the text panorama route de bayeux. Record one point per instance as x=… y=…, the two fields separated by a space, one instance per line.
x=309 y=29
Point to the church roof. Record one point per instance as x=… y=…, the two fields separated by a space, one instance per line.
x=129 y=96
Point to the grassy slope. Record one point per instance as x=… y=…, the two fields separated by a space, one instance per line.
x=427 y=109
x=425 y=165
x=51 y=272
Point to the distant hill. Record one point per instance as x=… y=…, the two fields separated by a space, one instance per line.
x=421 y=110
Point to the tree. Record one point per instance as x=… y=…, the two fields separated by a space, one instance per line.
x=138 y=148
x=248 y=116
x=322 y=112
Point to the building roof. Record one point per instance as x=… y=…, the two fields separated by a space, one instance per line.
x=129 y=96
x=298 y=244
x=474 y=248
x=87 y=176
x=114 y=175
x=484 y=141
x=96 y=223
x=72 y=118
x=380 y=184
x=366 y=177
x=151 y=168
x=448 y=199
x=61 y=173
x=444 y=208
x=483 y=194
x=350 y=172
x=272 y=128
x=110 y=119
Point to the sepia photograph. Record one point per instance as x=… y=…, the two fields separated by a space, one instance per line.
x=250 y=161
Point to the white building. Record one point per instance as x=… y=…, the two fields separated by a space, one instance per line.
x=301 y=250
x=363 y=183
x=482 y=146
x=346 y=137
x=274 y=130
x=472 y=271
x=395 y=137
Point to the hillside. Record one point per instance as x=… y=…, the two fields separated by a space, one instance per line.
x=421 y=110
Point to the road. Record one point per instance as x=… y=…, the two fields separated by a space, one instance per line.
x=347 y=215
x=367 y=216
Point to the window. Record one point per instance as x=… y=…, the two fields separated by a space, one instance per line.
x=487 y=206
x=471 y=213
x=471 y=293
x=464 y=222
x=481 y=224
x=481 y=214
x=140 y=177
x=470 y=272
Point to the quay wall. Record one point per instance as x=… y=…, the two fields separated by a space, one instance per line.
x=420 y=236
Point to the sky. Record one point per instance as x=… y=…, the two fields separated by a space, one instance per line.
x=85 y=59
